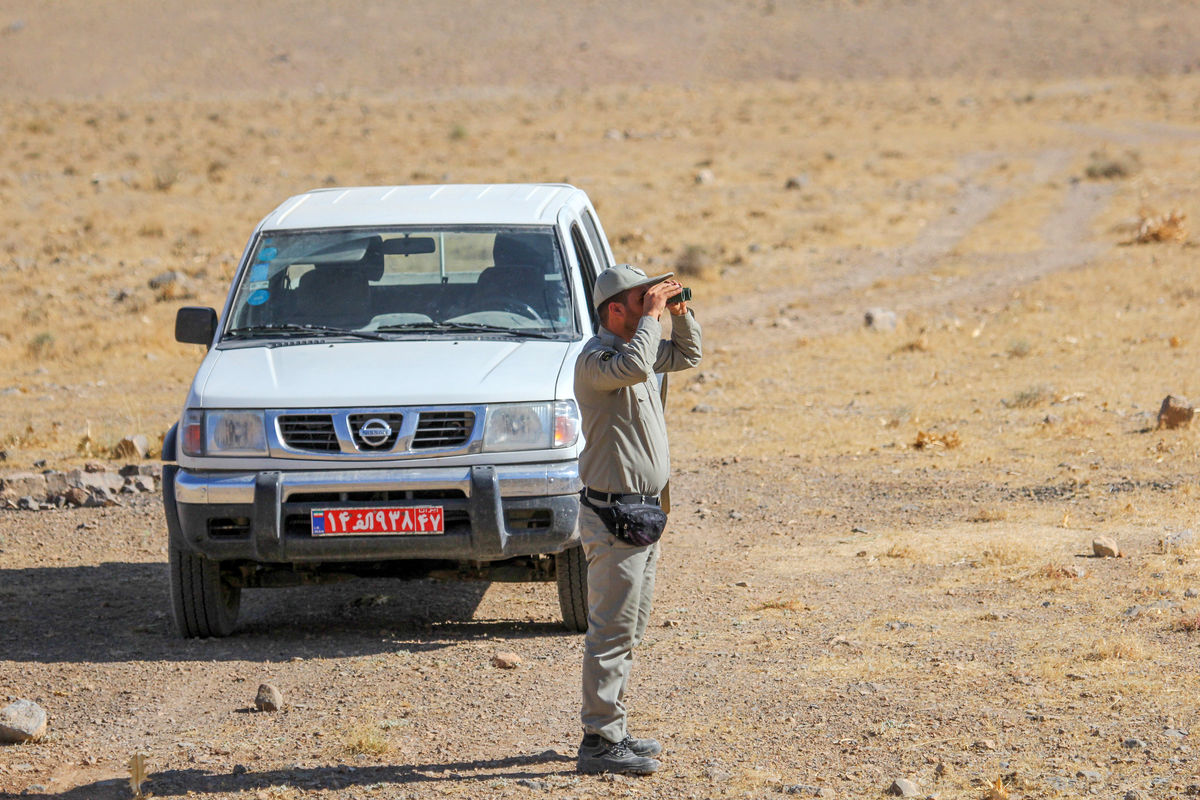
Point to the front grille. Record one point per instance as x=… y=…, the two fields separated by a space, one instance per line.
x=443 y=429
x=313 y=432
x=528 y=519
x=229 y=528
x=392 y=420
x=380 y=496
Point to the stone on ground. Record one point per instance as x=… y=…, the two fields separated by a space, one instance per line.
x=21 y=721
x=268 y=698
x=1104 y=547
x=1175 y=412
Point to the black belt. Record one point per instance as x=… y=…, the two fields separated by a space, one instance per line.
x=615 y=497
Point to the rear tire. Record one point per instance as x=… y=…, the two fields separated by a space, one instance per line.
x=205 y=602
x=571 y=568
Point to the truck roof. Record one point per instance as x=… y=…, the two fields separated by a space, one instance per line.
x=448 y=204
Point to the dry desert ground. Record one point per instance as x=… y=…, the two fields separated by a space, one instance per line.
x=880 y=565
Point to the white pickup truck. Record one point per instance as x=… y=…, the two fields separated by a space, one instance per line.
x=388 y=388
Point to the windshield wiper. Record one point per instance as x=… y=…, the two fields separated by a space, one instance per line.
x=473 y=327
x=280 y=328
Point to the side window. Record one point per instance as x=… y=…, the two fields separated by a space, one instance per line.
x=597 y=240
x=588 y=265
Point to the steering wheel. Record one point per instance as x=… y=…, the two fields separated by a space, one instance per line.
x=517 y=307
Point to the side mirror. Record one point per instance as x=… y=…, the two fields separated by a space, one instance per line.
x=195 y=325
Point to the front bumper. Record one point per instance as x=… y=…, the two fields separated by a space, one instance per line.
x=492 y=512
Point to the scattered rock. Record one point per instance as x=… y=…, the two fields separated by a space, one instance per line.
x=1134 y=744
x=1178 y=541
x=138 y=483
x=1139 y=611
x=23 y=483
x=22 y=721
x=94 y=466
x=75 y=496
x=1174 y=733
x=807 y=791
x=1134 y=794
x=880 y=319
x=136 y=446
x=1104 y=547
x=1105 y=167
x=1090 y=775
x=164 y=279
x=531 y=784
x=1189 y=592
x=897 y=625
x=702 y=408
x=1175 y=412
x=506 y=660
x=985 y=744
x=796 y=182
x=27 y=503
x=705 y=177
x=903 y=787
x=268 y=698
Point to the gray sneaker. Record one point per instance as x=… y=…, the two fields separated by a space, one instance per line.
x=597 y=754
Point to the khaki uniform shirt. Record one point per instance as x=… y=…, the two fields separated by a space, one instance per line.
x=625 y=449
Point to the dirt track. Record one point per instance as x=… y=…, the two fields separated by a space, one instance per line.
x=837 y=606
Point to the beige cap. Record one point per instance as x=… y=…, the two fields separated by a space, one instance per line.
x=616 y=279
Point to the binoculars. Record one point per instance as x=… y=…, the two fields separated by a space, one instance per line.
x=684 y=295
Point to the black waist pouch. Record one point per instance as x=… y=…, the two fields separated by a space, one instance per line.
x=638 y=524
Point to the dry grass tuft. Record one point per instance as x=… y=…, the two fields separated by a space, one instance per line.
x=1169 y=227
x=1006 y=553
x=988 y=515
x=917 y=345
x=899 y=551
x=1031 y=396
x=780 y=605
x=997 y=791
x=1189 y=624
x=366 y=740
x=694 y=262
x=1121 y=649
x=927 y=440
x=1057 y=572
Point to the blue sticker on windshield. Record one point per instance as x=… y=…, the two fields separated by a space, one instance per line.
x=268 y=253
x=258 y=297
x=258 y=272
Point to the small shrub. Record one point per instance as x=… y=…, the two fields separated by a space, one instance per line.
x=693 y=262
x=367 y=740
x=1124 y=649
x=41 y=345
x=1019 y=349
x=1031 y=397
x=927 y=440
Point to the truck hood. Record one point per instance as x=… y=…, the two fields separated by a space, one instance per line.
x=405 y=372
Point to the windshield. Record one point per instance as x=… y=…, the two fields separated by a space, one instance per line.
x=450 y=281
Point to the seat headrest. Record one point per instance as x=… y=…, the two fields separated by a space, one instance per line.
x=523 y=250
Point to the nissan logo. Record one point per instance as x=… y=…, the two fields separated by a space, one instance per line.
x=375 y=432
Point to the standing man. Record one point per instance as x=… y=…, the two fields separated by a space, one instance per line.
x=625 y=465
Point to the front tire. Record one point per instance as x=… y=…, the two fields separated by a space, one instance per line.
x=205 y=602
x=570 y=567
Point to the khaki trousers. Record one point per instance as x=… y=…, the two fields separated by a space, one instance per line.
x=620 y=593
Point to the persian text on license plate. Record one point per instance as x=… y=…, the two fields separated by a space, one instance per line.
x=405 y=521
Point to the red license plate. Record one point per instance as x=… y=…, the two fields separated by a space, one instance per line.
x=406 y=521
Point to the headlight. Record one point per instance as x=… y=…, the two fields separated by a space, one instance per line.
x=224 y=433
x=531 y=426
